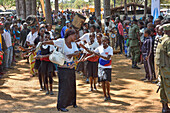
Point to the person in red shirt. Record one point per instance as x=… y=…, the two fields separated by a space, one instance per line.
x=120 y=33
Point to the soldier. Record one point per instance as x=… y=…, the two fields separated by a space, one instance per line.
x=134 y=43
x=163 y=61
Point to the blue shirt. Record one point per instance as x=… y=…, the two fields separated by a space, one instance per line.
x=63 y=31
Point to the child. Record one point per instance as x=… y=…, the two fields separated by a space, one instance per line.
x=141 y=26
x=104 y=68
x=92 y=66
x=47 y=67
x=99 y=40
x=40 y=38
x=147 y=55
x=126 y=28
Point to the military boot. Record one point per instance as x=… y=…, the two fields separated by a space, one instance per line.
x=165 y=108
x=135 y=66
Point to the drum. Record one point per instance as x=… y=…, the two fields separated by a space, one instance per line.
x=31 y=20
x=78 y=21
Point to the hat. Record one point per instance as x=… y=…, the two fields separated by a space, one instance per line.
x=166 y=27
x=67 y=21
x=25 y=23
x=107 y=17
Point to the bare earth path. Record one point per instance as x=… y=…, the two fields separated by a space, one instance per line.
x=20 y=94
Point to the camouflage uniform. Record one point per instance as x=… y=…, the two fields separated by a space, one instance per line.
x=134 y=43
x=163 y=61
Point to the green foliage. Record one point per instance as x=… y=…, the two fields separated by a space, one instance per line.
x=79 y=3
x=7 y=3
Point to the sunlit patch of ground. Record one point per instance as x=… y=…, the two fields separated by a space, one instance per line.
x=20 y=94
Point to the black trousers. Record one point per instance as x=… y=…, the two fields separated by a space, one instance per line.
x=119 y=42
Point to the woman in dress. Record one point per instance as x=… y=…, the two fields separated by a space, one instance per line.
x=66 y=73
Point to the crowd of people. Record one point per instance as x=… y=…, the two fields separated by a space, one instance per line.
x=87 y=51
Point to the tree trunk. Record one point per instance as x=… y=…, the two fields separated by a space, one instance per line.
x=34 y=6
x=28 y=8
x=125 y=7
x=17 y=8
x=48 y=12
x=106 y=8
x=134 y=9
x=22 y=8
x=97 y=9
x=145 y=7
x=56 y=7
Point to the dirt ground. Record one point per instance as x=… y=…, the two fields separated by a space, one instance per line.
x=20 y=94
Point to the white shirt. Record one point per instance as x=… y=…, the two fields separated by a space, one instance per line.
x=51 y=35
x=86 y=37
x=104 y=52
x=91 y=47
x=46 y=46
x=31 y=37
x=142 y=34
x=111 y=25
x=81 y=33
x=106 y=30
x=7 y=38
x=60 y=43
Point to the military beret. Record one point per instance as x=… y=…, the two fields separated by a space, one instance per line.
x=166 y=26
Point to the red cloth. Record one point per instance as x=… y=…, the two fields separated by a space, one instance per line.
x=120 y=28
x=93 y=59
x=45 y=59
